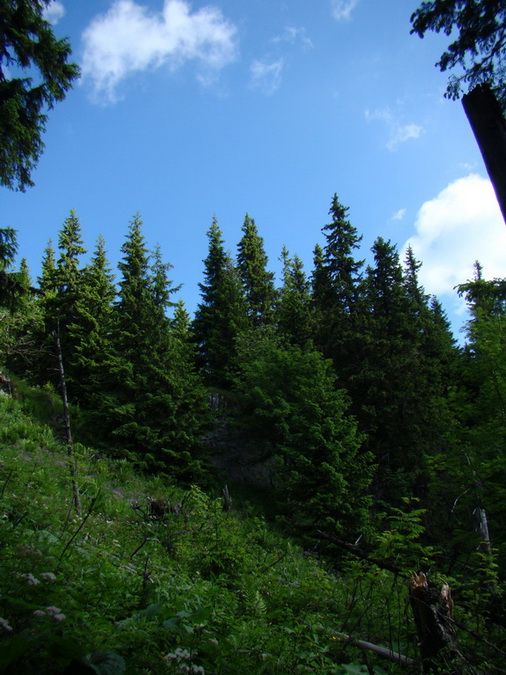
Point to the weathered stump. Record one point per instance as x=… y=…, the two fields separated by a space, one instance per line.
x=437 y=638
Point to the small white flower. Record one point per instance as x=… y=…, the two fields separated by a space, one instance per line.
x=182 y=653
x=30 y=579
x=48 y=576
x=5 y=625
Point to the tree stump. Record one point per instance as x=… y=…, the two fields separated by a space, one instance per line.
x=433 y=612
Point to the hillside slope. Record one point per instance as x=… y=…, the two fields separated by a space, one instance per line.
x=152 y=578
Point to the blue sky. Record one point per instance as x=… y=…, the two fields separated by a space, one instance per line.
x=189 y=110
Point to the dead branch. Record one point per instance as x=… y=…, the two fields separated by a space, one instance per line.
x=384 y=652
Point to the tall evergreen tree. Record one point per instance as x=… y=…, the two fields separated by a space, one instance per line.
x=336 y=286
x=320 y=289
x=66 y=277
x=289 y=404
x=400 y=390
x=153 y=406
x=60 y=284
x=294 y=307
x=221 y=315
x=387 y=388
x=68 y=271
x=192 y=414
x=91 y=331
x=430 y=324
x=257 y=281
x=135 y=357
x=20 y=324
x=48 y=267
x=416 y=294
x=483 y=415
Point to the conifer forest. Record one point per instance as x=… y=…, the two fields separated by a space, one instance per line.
x=324 y=439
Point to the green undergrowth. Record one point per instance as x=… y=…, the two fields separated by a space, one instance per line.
x=152 y=578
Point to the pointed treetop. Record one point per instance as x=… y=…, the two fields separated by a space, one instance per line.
x=257 y=281
x=70 y=241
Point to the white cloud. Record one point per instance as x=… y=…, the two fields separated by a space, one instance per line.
x=403 y=132
x=54 y=12
x=462 y=224
x=129 y=39
x=293 y=34
x=266 y=76
x=399 y=215
x=398 y=132
x=342 y=9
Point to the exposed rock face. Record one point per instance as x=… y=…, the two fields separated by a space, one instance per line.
x=240 y=459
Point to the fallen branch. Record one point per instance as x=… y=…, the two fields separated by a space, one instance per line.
x=386 y=653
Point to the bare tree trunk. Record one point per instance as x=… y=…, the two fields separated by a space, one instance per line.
x=482 y=528
x=227 y=499
x=66 y=418
x=489 y=127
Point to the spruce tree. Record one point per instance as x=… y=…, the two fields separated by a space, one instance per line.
x=385 y=387
x=336 y=284
x=66 y=277
x=192 y=415
x=68 y=270
x=320 y=289
x=60 y=284
x=48 y=267
x=416 y=294
x=400 y=392
x=221 y=316
x=294 y=317
x=132 y=377
x=154 y=406
x=483 y=408
x=91 y=331
x=257 y=281
x=20 y=324
x=290 y=405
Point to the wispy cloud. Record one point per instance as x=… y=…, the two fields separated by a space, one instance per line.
x=398 y=132
x=342 y=9
x=54 y=12
x=460 y=225
x=292 y=35
x=399 y=215
x=266 y=76
x=129 y=38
